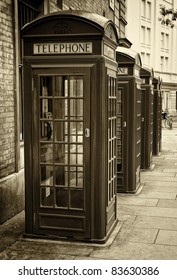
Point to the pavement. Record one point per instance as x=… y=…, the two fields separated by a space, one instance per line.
x=147 y=227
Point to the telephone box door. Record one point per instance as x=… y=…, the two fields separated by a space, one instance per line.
x=61 y=152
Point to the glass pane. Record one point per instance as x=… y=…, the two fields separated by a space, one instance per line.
x=60 y=108
x=61 y=197
x=61 y=131
x=46 y=175
x=46 y=130
x=61 y=86
x=76 y=148
x=46 y=108
x=77 y=199
x=76 y=154
x=47 y=198
x=76 y=86
x=61 y=175
x=76 y=132
x=76 y=179
x=46 y=86
x=46 y=153
x=61 y=154
x=76 y=108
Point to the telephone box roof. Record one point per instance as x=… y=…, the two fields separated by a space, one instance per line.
x=147 y=71
x=131 y=54
x=100 y=23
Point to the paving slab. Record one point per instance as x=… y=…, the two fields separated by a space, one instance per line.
x=129 y=220
x=21 y=255
x=157 y=173
x=46 y=246
x=11 y=230
x=139 y=235
x=157 y=183
x=146 y=211
x=166 y=203
x=168 y=188
x=153 y=194
x=136 y=251
x=173 y=170
x=137 y=201
x=167 y=237
x=155 y=222
x=160 y=178
x=171 y=156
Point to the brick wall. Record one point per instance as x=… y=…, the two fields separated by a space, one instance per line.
x=53 y=6
x=7 y=123
x=100 y=7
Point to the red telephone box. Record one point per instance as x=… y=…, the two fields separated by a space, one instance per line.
x=128 y=120
x=157 y=116
x=70 y=78
x=147 y=92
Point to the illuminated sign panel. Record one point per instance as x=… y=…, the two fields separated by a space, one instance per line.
x=62 y=48
x=122 y=71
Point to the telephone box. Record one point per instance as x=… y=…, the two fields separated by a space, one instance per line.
x=146 y=75
x=70 y=75
x=128 y=120
x=157 y=117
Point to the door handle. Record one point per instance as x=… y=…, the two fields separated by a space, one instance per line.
x=87 y=132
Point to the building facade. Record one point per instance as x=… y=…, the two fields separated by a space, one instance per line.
x=156 y=44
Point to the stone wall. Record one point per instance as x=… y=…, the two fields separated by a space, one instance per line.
x=100 y=7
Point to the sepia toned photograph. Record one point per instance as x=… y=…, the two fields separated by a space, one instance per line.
x=88 y=131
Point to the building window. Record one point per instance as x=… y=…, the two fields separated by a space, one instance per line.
x=148 y=37
x=162 y=63
x=143 y=57
x=143 y=8
x=162 y=40
x=143 y=34
x=28 y=10
x=120 y=6
x=116 y=14
x=167 y=42
x=166 y=64
x=148 y=13
x=146 y=9
x=111 y=4
x=148 y=58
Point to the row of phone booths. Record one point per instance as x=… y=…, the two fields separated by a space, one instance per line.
x=91 y=123
x=138 y=119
